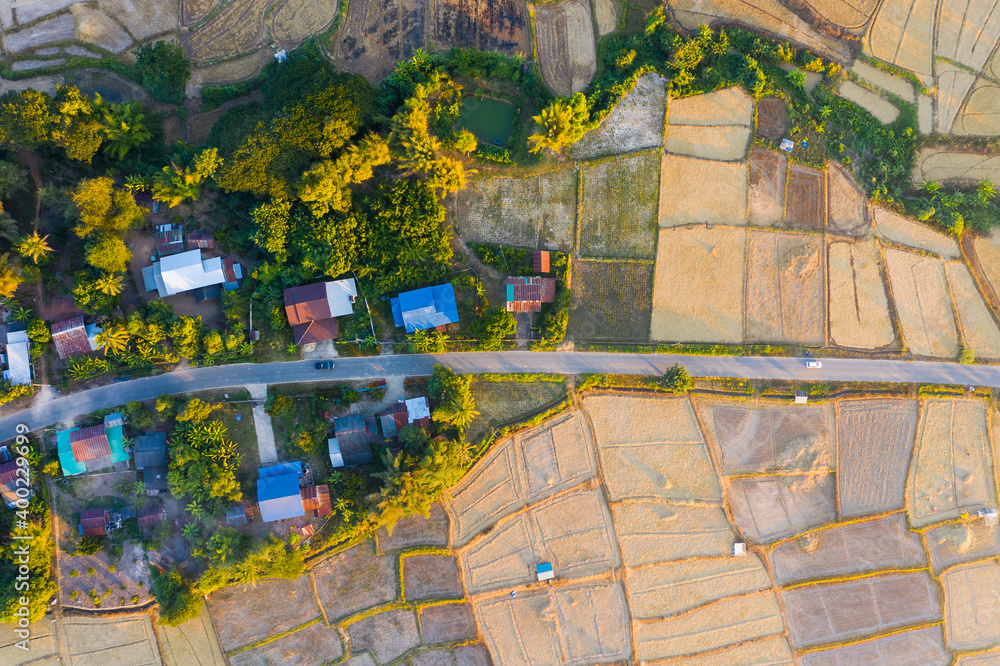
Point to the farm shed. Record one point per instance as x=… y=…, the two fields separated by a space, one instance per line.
x=201 y=240
x=93 y=522
x=18 y=359
x=169 y=239
x=146 y=200
x=317 y=498
x=540 y=261
x=278 y=496
x=526 y=294
x=239 y=515
x=422 y=309
x=352 y=443
x=151 y=450
x=72 y=337
x=313 y=309
x=152 y=516
x=415 y=411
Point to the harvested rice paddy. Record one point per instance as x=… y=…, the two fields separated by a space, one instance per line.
x=767 y=508
x=859 y=307
x=766 y=196
x=600 y=288
x=923 y=303
x=898 y=229
x=694 y=191
x=979 y=329
x=564 y=39
x=619 y=206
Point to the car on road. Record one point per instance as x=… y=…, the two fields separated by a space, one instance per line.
x=813 y=364
x=325 y=365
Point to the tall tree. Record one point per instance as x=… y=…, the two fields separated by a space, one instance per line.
x=108 y=253
x=34 y=247
x=124 y=128
x=102 y=209
x=175 y=184
x=562 y=123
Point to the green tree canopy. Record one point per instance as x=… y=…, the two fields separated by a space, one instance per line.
x=102 y=209
x=176 y=596
x=494 y=325
x=108 y=253
x=203 y=463
x=162 y=70
x=562 y=123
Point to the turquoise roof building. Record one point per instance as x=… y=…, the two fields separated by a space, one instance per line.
x=90 y=449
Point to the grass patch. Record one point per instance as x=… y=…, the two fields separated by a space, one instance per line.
x=502 y=403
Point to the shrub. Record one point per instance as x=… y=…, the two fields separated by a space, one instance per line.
x=89 y=545
x=111 y=568
x=91 y=571
x=163 y=70
x=74 y=594
x=176 y=596
x=135 y=598
x=677 y=379
x=74 y=573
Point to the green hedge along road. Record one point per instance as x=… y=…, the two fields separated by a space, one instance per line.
x=68 y=407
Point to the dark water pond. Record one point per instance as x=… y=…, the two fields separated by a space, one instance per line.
x=491 y=120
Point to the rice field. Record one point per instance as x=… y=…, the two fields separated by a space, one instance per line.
x=619 y=206
x=600 y=288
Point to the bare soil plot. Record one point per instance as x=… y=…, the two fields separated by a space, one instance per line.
x=987 y=251
x=30 y=10
x=354 y=580
x=534 y=464
x=573 y=531
x=600 y=288
x=238 y=27
x=652 y=448
x=880 y=78
x=785 y=294
x=620 y=200
x=694 y=191
x=730 y=106
x=579 y=624
x=416 y=531
x=56 y=29
x=503 y=26
x=295 y=20
x=772 y=118
x=698 y=285
x=955 y=543
x=43 y=646
x=605 y=16
x=804 y=203
x=953 y=86
x=899 y=229
x=192 y=642
x=448 y=622
x=769 y=438
x=766 y=195
x=46 y=84
x=875 y=439
x=726 y=143
x=773 y=650
x=97 y=27
x=472 y=655
x=952 y=465
x=967 y=32
x=920 y=646
x=193 y=11
x=923 y=303
x=455 y=22
x=650 y=532
x=715 y=625
x=925 y=113
x=941 y=165
x=881 y=108
x=979 y=329
x=883 y=543
x=389 y=635
x=244 y=615
x=847 y=206
x=312 y=646
x=564 y=41
x=981 y=114
x=143 y=18
x=903 y=34
x=120 y=639
x=431 y=577
x=531 y=211
x=769 y=508
x=859 y=307
x=970 y=593
x=979 y=658
x=819 y=614
x=634 y=124
x=377 y=34
x=666 y=589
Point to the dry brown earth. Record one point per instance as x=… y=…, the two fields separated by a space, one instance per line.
x=804 y=202
x=952 y=467
x=846 y=13
x=606 y=16
x=698 y=285
x=785 y=294
x=989 y=658
x=652 y=448
x=377 y=34
x=119 y=639
x=767 y=508
x=43 y=644
x=715 y=625
x=875 y=439
x=670 y=588
x=97 y=27
x=970 y=594
x=143 y=18
x=245 y=615
x=772 y=118
x=370 y=580
x=763 y=651
x=847 y=209
x=501 y=557
x=923 y=303
x=730 y=106
x=896 y=85
x=766 y=196
x=416 y=531
x=899 y=229
x=430 y=577
x=295 y=20
x=634 y=124
x=694 y=191
x=193 y=11
x=593 y=625
x=940 y=165
x=987 y=251
x=966 y=541
x=920 y=646
x=769 y=438
x=728 y=143
x=979 y=329
x=491 y=490
x=447 y=623
x=884 y=110
x=238 y=27
x=953 y=85
x=227 y=71
x=192 y=642
x=843 y=550
x=311 y=646
x=818 y=614
x=967 y=31
x=925 y=113
x=859 y=307
x=389 y=635
x=981 y=114
x=650 y=532
x=599 y=289
x=564 y=40
x=903 y=34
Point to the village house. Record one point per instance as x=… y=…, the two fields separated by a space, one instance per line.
x=312 y=309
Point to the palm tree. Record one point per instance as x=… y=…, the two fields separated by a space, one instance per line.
x=196 y=510
x=190 y=531
x=33 y=246
x=124 y=129
x=20 y=313
x=370 y=342
x=460 y=412
x=109 y=284
x=113 y=338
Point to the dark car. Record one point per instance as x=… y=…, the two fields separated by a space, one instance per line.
x=325 y=365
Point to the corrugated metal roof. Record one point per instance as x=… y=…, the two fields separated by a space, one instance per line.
x=89 y=443
x=70 y=338
x=306 y=303
x=150 y=450
x=426 y=308
x=239 y=515
x=278 y=497
x=540 y=261
x=18 y=361
x=152 y=515
x=94 y=522
x=317 y=498
x=526 y=294
x=156 y=478
x=281 y=469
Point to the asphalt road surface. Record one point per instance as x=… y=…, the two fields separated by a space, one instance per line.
x=66 y=408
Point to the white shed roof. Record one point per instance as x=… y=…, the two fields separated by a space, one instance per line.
x=340 y=295
x=19 y=362
x=186 y=271
x=418 y=408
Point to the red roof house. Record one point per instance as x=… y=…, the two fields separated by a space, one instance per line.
x=152 y=515
x=169 y=239
x=317 y=498
x=540 y=261
x=201 y=240
x=70 y=338
x=90 y=443
x=8 y=482
x=526 y=294
x=313 y=309
x=94 y=522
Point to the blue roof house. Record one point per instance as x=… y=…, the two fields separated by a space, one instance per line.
x=425 y=308
x=278 y=497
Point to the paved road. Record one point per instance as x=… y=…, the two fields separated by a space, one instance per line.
x=67 y=407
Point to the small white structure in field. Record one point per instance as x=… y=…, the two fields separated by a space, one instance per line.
x=801 y=398
x=281 y=56
x=739 y=549
x=544 y=571
x=989 y=516
x=787 y=145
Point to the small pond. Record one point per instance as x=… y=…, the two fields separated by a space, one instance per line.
x=489 y=119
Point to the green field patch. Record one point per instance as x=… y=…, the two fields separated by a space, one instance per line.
x=611 y=300
x=502 y=403
x=620 y=206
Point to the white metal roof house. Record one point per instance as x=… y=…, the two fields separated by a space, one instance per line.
x=18 y=358
x=183 y=272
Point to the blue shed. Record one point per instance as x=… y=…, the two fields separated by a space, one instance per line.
x=425 y=308
x=279 y=497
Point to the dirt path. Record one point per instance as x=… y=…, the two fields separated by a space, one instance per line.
x=34 y=163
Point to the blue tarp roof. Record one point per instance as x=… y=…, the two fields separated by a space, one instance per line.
x=279 y=498
x=66 y=460
x=425 y=308
x=282 y=468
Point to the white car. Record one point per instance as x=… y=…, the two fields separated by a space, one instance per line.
x=813 y=364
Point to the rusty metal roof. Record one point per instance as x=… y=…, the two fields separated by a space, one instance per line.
x=89 y=443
